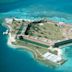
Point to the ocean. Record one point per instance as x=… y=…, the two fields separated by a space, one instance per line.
x=16 y=60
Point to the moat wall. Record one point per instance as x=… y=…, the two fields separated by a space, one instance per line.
x=58 y=44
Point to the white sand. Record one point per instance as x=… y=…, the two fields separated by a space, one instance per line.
x=61 y=23
x=10 y=40
x=8 y=20
x=22 y=19
x=41 y=24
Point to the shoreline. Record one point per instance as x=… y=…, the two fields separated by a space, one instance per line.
x=9 y=43
x=35 y=53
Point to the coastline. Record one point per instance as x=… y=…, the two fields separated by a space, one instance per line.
x=9 y=43
x=35 y=53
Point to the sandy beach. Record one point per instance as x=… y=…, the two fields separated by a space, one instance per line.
x=10 y=40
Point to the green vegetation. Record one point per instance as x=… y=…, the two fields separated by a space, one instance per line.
x=40 y=30
x=35 y=43
x=33 y=48
x=47 y=30
x=42 y=50
x=17 y=26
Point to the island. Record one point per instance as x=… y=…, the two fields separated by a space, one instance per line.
x=43 y=38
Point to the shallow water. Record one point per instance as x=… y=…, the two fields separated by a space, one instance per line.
x=13 y=60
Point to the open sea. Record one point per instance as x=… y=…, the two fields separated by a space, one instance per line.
x=16 y=60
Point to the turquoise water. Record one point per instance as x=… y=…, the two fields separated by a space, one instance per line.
x=13 y=60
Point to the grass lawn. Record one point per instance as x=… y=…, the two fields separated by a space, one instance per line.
x=47 y=30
